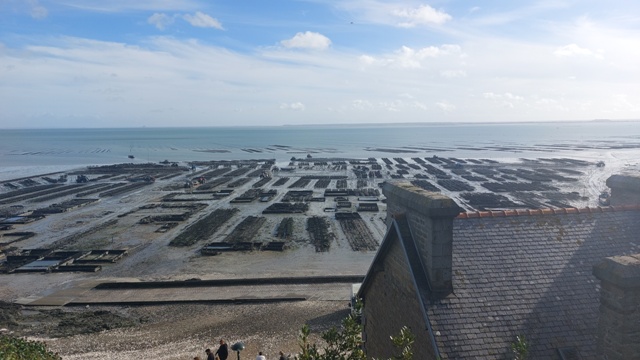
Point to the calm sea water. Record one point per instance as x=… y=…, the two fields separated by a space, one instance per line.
x=103 y=146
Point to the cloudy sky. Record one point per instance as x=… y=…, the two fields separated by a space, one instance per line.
x=120 y=63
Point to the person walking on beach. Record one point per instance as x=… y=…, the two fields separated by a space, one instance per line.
x=223 y=350
x=210 y=355
x=282 y=356
x=260 y=356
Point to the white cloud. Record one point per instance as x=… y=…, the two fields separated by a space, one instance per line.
x=296 y=106
x=434 y=51
x=623 y=103
x=397 y=105
x=114 y=6
x=519 y=12
x=159 y=20
x=419 y=105
x=575 y=50
x=307 y=40
x=507 y=99
x=393 y=106
x=507 y=95
x=367 y=59
x=510 y=96
x=37 y=11
x=410 y=58
x=494 y=78
x=451 y=74
x=545 y=101
x=445 y=106
x=360 y=104
x=422 y=15
x=200 y=19
x=392 y=13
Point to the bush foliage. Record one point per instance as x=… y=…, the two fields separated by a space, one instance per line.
x=346 y=343
x=14 y=348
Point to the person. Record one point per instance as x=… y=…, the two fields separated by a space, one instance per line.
x=196 y=358
x=223 y=350
x=282 y=356
x=260 y=356
x=209 y=354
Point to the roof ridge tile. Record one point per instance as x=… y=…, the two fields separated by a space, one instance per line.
x=546 y=211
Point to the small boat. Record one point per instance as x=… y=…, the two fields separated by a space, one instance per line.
x=131 y=157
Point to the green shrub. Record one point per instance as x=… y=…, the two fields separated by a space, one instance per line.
x=346 y=343
x=14 y=348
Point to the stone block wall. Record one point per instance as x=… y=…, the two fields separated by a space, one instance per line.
x=619 y=319
x=392 y=302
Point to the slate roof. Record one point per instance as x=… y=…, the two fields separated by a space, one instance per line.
x=528 y=273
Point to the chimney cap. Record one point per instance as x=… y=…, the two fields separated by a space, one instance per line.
x=417 y=199
x=623 y=271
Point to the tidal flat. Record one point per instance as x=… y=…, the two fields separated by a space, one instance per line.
x=164 y=258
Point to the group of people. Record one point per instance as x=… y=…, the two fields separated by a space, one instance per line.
x=223 y=353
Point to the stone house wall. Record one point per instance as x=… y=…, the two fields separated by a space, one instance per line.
x=391 y=303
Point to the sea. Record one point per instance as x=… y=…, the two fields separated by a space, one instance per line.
x=25 y=152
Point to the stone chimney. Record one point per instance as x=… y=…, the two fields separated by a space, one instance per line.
x=625 y=189
x=619 y=323
x=430 y=216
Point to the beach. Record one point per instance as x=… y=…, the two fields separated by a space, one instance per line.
x=198 y=222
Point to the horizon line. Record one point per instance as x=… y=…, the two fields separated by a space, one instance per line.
x=337 y=124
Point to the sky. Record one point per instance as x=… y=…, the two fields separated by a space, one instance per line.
x=158 y=63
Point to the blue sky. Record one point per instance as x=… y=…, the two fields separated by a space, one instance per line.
x=122 y=63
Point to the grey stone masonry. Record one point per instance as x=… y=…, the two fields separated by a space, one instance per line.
x=625 y=189
x=430 y=216
x=619 y=322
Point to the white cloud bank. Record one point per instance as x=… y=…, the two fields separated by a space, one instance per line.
x=422 y=15
x=37 y=11
x=202 y=20
x=393 y=13
x=296 y=106
x=410 y=58
x=199 y=19
x=575 y=50
x=120 y=6
x=307 y=40
x=161 y=81
x=160 y=21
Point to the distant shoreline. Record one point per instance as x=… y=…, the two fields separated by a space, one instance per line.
x=401 y=124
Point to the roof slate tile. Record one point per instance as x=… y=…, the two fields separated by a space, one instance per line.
x=529 y=273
